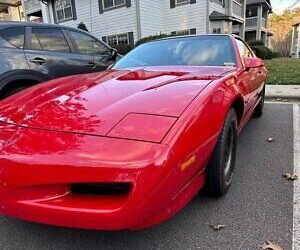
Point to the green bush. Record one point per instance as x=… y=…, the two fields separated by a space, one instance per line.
x=263 y=52
x=82 y=26
x=122 y=49
x=277 y=54
x=151 y=38
x=256 y=43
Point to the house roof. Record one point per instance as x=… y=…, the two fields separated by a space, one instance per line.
x=296 y=23
x=11 y=2
x=217 y=16
x=267 y=2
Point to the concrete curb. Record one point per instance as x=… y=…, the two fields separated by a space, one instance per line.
x=283 y=93
x=282 y=98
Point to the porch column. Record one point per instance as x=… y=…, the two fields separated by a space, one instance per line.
x=259 y=17
x=243 y=25
x=293 y=40
x=298 y=42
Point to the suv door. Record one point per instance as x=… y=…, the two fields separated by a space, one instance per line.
x=49 y=53
x=95 y=55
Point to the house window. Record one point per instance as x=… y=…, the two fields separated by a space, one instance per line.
x=184 y=32
x=251 y=11
x=181 y=1
x=220 y=1
x=63 y=10
x=107 y=4
x=216 y=30
x=118 y=40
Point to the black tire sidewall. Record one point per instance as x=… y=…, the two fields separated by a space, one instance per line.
x=218 y=183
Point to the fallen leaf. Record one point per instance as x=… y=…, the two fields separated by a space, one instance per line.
x=217 y=227
x=270 y=139
x=268 y=245
x=290 y=177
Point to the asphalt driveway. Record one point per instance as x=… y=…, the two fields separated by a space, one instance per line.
x=259 y=206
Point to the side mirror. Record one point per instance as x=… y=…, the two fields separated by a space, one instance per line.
x=114 y=54
x=253 y=62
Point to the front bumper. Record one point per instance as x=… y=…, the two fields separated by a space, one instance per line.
x=37 y=169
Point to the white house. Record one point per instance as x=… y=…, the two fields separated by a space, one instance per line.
x=295 y=48
x=126 y=21
x=11 y=10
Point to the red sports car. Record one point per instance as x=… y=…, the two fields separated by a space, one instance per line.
x=129 y=147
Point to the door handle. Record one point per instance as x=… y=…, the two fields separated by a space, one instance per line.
x=91 y=65
x=38 y=60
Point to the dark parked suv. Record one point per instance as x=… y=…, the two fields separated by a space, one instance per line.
x=34 y=52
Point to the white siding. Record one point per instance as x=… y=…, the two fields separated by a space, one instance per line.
x=156 y=17
x=111 y=22
x=151 y=13
x=187 y=16
x=215 y=6
x=45 y=13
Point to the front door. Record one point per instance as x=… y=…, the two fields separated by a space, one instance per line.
x=94 y=54
x=251 y=78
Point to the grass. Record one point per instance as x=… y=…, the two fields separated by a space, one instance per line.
x=283 y=71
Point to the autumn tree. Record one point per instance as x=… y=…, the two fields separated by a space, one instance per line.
x=281 y=26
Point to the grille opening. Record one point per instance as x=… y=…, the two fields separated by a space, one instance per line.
x=101 y=188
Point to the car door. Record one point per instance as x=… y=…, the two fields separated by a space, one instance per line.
x=94 y=54
x=252 y=77
x=49 y=52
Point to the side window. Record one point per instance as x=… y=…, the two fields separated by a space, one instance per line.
x=243 y=49
x=100 y=49
x=88 y=45
x=49 y=39
x=14 y=35
x=84 y=43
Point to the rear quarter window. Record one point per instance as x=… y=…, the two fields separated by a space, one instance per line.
x=14 y=35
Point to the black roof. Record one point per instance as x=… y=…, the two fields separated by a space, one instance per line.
x=216 y=16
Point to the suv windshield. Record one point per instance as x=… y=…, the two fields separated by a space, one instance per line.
x=186 y=51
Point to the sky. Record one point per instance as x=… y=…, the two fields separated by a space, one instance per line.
x=280 y=5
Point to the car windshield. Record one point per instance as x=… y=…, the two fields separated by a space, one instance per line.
x=185 y=51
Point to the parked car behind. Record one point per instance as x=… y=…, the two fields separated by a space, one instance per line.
x=32 y=53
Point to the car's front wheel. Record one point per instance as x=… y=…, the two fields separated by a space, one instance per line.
x=221 y=167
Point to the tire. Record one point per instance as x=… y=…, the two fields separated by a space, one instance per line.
x=258 y=112
x=11 y=91
x=221 y=166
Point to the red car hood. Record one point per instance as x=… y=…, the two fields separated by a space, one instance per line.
x=95 y=103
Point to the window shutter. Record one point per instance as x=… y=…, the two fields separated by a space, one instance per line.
x=74 y=10
x=193 y=1
x=100 y=3
x=128 y=3
x=54 y=12
x=104 y=39
x=172 y=4
x=193 y=31
x=131 y=39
